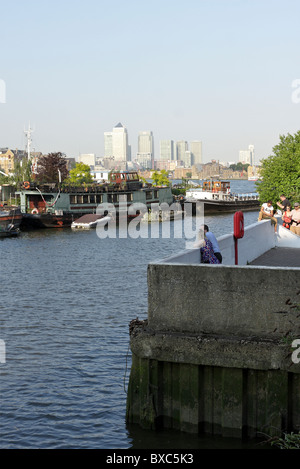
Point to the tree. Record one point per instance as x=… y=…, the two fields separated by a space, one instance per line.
x=160 y=179
x=280 y=172
x=49 y=166
x=80 y=174
x=22 y=172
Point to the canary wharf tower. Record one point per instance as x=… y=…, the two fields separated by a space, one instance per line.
x=116 y=143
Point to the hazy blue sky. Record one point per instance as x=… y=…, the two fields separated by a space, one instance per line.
x=220 y=71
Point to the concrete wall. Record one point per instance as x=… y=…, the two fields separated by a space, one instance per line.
x=215 y=354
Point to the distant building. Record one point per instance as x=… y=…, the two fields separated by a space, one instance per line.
x=181 y=148
x=166 y=150
x=88 y=159
x=196 y=150
x=7 y=160
x=247 y=156
x=145 y=154
x=188 y=159
x=116 y=144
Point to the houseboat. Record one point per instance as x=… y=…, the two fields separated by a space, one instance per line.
x=10 y=221
x=218 y=198
x=54 y=206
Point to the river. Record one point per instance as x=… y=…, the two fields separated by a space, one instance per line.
x=66 y=302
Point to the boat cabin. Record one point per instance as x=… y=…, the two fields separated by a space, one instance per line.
x=216 y=186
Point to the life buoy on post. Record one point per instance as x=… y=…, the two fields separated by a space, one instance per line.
x=238 y=225
x=35 y=210
x=238 y=231
x=26 y=185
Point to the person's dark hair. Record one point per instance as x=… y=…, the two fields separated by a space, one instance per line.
x=270 y=202
x=205 y=227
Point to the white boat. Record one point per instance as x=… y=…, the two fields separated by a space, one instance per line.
x=217 y=197
x=162 y=215
x=89 y=221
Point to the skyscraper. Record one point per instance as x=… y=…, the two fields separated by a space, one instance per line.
x=247 y=156
x=181 y=148
x=196 y=150
x=116 y=144
x=166 y=150
x=145 y=154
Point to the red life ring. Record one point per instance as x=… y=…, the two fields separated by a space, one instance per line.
x=35 y=210
x=26 y=185
x=238 y=225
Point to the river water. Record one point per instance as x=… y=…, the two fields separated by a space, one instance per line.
x=66 y=302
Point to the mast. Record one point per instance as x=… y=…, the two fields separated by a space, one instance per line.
x=29 y=140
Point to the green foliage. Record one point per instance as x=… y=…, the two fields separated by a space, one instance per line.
x=281 y=171
x=160 y=178
x=81 y=174
x=239 y=166
x=22 y=172
x=288 y=441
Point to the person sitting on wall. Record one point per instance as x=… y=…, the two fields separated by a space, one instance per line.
x=206 y=249
x=287 y=218
x=211 y=237
x=284 y=202
x=207 y=253
x=267 y=212
x=295 y=226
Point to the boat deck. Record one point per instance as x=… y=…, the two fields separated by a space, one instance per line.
x=279 y=257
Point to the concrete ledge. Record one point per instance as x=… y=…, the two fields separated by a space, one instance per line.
x=244 y=353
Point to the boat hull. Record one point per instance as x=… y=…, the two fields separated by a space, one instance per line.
x=10 y=218
x=215 y=207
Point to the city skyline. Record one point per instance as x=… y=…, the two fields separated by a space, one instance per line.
x=221 y=72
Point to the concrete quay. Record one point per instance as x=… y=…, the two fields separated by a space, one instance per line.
x=216 y=355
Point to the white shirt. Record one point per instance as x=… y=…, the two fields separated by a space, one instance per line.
x=267 y=209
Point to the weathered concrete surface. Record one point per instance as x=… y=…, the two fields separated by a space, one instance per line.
x=215 y=355
x=229 y=352
x=241 y=301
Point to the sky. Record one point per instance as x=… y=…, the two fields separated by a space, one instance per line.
x=226 y=72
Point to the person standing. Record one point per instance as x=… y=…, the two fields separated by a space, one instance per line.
x=295 y=214
x=284 y=203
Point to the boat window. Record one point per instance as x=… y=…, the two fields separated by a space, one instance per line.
x=156 y=194
x=79 y=199
x=99 y=199
x=72 y=199
x=129 y=197
x=92 y=199
x=85 y=199
x=149 y=195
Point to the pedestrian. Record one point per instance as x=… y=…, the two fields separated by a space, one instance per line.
x=295 y=213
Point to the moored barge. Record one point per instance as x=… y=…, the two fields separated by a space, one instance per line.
x=53 y=206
